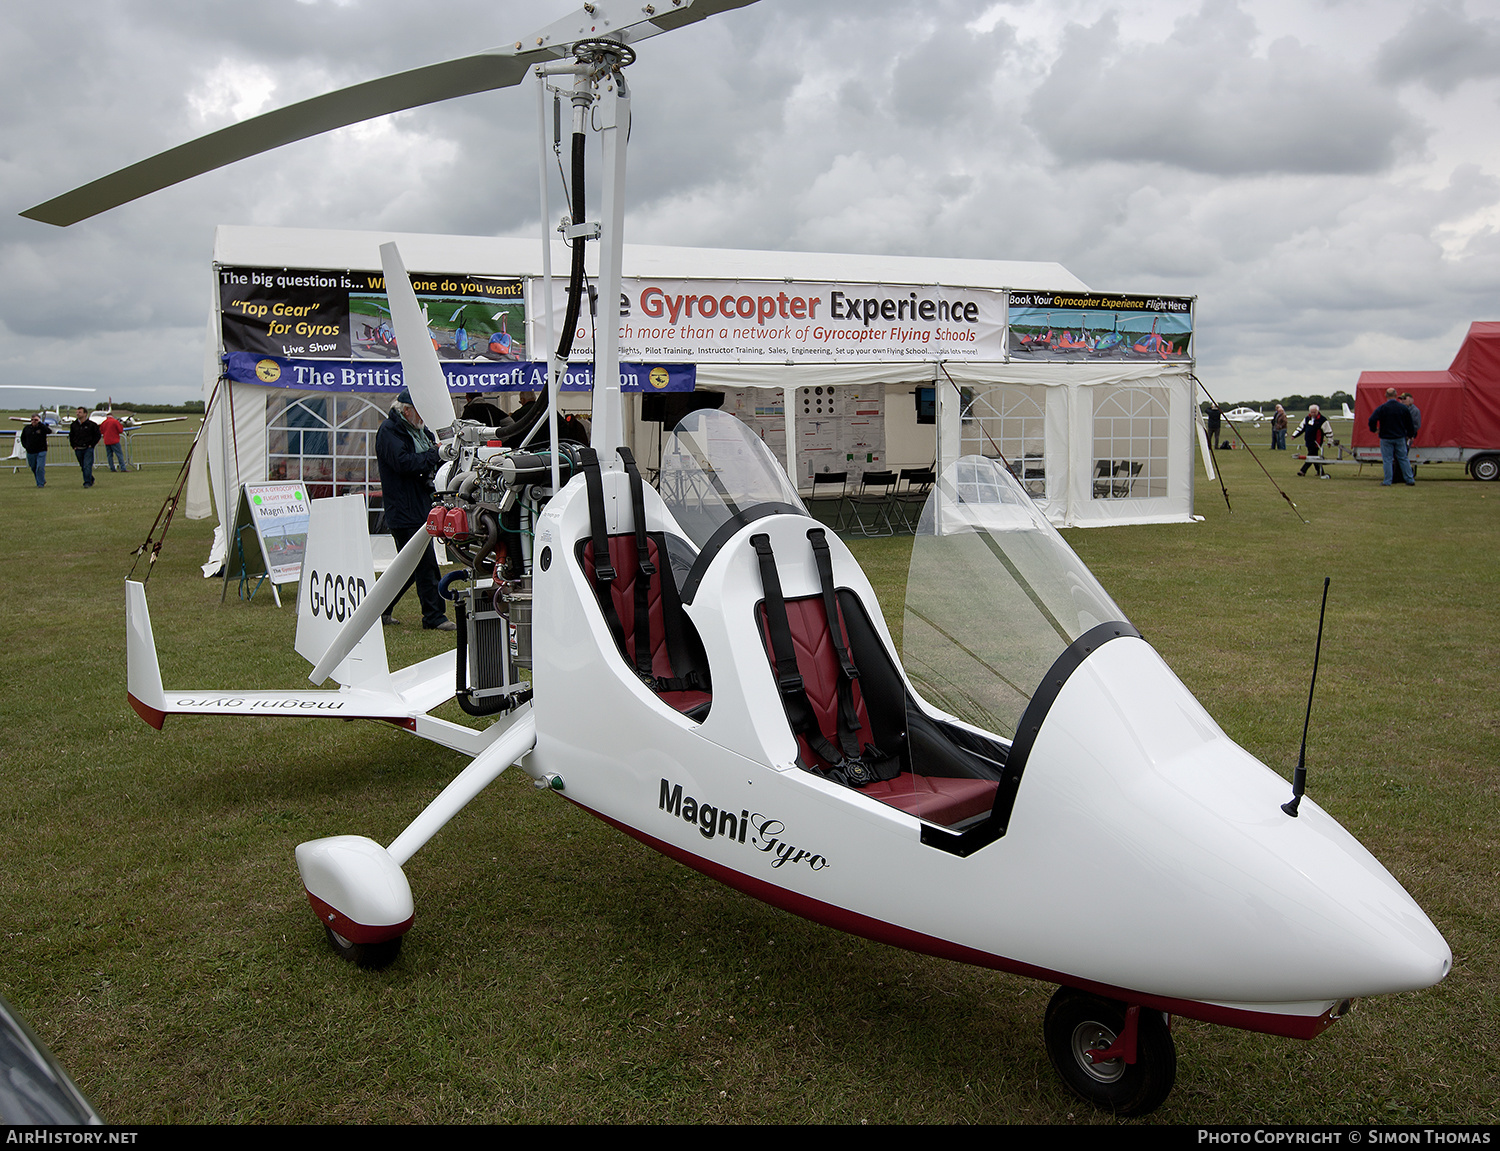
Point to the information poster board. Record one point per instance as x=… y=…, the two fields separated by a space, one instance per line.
x=840 y=430
x=270 y=533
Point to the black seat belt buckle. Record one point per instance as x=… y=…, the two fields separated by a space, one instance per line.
x=857 y=773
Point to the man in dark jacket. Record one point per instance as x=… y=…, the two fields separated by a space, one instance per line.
x=1392 y=421
x=34 y=441
x=408 y=458
x=1314 y=429
x=83 y=434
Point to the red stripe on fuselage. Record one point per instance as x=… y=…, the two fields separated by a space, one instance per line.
x=830 y=915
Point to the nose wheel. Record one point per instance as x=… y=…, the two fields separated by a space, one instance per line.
x=372 y=956
x=1089 y=1040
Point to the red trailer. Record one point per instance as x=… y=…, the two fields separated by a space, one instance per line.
x=1460 y=407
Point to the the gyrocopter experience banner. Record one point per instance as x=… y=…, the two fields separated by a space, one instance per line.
x=1099 y=326
x=757 y=321
x=312 y=313
x=363 y=376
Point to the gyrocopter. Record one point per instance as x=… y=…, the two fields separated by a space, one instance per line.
x=1030 y=788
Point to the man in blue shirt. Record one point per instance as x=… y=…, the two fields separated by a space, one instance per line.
x=1392 y=421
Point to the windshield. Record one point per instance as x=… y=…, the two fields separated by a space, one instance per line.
x=713 y=467
x=993 y=597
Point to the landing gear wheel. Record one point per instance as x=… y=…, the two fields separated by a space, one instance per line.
x=1077 y=1023
x=1485 y=468
x=371 y=956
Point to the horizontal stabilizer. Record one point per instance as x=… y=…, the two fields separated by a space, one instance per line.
x=421 y=687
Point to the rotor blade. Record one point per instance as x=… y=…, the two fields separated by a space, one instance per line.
x=484 y=72
x=324 y=113
x=419 y=359
x=372 y=606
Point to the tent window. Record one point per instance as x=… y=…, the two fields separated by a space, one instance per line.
x=1008 y=420
x=1130 y=443
x=327 y=442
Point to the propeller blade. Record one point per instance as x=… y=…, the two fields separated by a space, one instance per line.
x=372 y=606
x=484 y=72
x=419 y=359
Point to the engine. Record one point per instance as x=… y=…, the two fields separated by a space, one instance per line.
x=485 y=507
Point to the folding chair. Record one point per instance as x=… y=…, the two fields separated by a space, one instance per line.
x=816 y=500
x=912 y=489
x=1034 y=475
x=1102 y=479
x=1121 y=487
x=870 y=505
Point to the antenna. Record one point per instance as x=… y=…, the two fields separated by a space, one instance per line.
x=1299 y=777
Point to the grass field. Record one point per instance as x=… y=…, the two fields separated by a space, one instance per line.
x=156 y=934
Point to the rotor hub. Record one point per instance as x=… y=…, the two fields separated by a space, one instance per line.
x=607 y=55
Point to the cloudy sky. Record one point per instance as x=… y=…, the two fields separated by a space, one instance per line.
x=1324 y=175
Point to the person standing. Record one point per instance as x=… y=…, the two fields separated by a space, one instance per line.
x=1414 y=411
x=1416 y=426
x=477 y=408
x=34 y=441
x=1314 y=429
x=83 y=434
x=1214 y=416
x=1278 y=430
x=110 y=432
x=1392 y=422
x=408 y=458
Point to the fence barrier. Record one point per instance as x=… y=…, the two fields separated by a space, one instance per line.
x=148 y=449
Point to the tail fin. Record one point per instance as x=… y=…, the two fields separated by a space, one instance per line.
x=338 y=571
x=1348 y=414
x=143 y=673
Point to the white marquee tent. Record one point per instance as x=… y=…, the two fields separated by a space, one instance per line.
x=1096 y=442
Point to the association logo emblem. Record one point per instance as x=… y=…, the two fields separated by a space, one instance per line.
x=268 y=371
x=659 y=378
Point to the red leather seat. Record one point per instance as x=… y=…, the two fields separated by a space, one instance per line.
x=622 y=592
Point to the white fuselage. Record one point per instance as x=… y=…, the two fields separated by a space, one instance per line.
x=1146 y=853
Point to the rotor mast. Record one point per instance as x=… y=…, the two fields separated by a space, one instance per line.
x=598 y=85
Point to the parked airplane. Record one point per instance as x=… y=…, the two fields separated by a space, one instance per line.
x=57 y=420
x=1032 y=789
x=1244 y=415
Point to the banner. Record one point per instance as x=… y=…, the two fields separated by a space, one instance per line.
x=313 y=313
x=776 y=321
x=1099 y=326
x=362 y=376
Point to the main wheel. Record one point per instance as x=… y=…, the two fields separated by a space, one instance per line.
x=1485 y=467
x=371 y=956
x=1077 y=1023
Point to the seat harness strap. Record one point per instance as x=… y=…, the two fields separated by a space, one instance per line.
x=848 y=722
x=604 y=572
x=645 y=570
x=850 y=765
x=671 y=601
